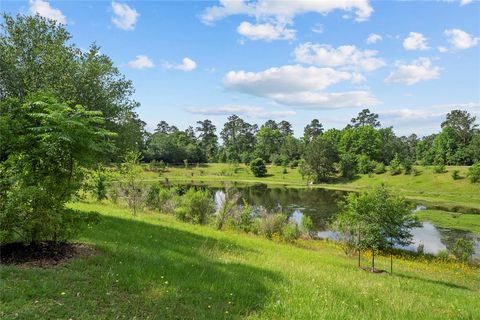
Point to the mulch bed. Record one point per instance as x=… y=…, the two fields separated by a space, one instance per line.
x=41 y=254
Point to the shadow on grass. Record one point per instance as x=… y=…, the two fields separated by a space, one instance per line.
x=149 y=271
x=439 y=282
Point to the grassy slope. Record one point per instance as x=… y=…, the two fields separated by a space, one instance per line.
x=156 y=267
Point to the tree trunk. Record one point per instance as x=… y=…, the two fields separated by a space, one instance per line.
x=391 y=262
x=373 y=260
x=358 y=245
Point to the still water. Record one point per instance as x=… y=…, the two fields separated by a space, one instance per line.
x=321 y=205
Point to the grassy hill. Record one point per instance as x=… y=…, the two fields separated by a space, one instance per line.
x=154 y=267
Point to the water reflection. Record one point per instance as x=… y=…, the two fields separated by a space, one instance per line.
x=321 y=205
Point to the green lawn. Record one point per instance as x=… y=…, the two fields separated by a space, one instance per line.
x=427 y=187
x=154 y=267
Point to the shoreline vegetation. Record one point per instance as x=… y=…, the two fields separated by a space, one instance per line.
x=451 y=203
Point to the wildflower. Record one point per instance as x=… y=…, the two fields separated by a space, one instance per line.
x=63 y=293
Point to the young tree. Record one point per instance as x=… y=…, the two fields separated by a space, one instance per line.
x=376 y=220
x=131 y=181
x=258 y=167
x=42 y=166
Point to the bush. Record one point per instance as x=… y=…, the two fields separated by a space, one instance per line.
x=306 y=225
x=258 y=167
x=152 y=199
x=380 y=168
x=294 y=164
x=463 y=249
x=443 y=255
x=270 y=224
x=456 y=174
x=98 y=183
x=290 y=232
x=407 y=166
x=196 y=206
x=474 y=173
x=439 y=168
x=242 y=219
x=395 y=166
x=364 y=164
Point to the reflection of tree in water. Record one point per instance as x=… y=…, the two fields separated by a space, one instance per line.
x=319 y=204
x=450 y=236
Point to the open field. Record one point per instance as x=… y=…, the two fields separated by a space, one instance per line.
x=154 y=267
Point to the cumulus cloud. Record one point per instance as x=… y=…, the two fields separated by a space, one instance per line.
x=141 y=62
x=248 y=111
x=44 y=9
x=274 y=14
x=415 y=41
x=297 y=85
x=124 y=17
x=418 y=70
x=265 y=31
x=460 y=39
x=347 y=56
x=373 y=38
x=465 y=2
x=187 y=65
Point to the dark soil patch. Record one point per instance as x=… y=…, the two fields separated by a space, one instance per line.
x=369 y=269
x=41 y=254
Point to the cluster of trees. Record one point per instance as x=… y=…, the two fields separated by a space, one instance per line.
x=63 y=110
x=363 y=146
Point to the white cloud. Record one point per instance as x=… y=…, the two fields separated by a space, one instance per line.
x=415 y=41
x=124 y=17
x=373 y=38
x=442 y=49
x=141 y=62
x=347 y=56
x=284 y=10
x=187 y=65
x=248 y=111
x=418 y=70
x=296 y=85
x=459 y=39
x=318 y=28
x=44 y=9
x=265 y=31
x=465 y=2
x=273 y=16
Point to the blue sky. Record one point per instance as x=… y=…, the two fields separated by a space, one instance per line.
x=409 y=61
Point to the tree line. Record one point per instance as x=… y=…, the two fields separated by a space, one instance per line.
x=360 y=147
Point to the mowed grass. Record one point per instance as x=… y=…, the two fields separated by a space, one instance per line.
x=437 y=189
x=466 y=222
x=155 y=267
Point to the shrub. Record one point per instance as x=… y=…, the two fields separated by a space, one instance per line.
x=294 y=164
x=258 y=167
x=306 y=225
x=131 y=183
x=152 y=199
x=380 y=168
x=463 y=249
x=443 y=255
x=196 y=206
x=364 y=164
x=439 y=168
x=474 y=173
x=407 y=165
x=290 y=232
x=456 y=174
x=270 y=224
x=395 y=166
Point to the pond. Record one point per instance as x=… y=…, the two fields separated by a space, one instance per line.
x=321 y=205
